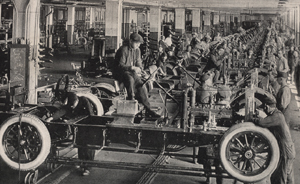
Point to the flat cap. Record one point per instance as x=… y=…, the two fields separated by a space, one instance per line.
x=270 y=102
x=135 y=37
x=204 y=77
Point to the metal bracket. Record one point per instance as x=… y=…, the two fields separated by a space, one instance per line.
x=138 y=143
x=104 y=137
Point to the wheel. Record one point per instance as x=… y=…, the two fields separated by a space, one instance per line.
x=95 y=91
x=249 y=153
x=104 y=93
x=33 y=147
x=171 y=70
x=97 y=105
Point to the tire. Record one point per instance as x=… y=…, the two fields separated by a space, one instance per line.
x=33 y=132
x=171 y=70
x=95 y=102
x=104 y=93
x=254 y=161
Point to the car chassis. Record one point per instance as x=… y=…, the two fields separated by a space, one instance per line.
x=233 y=145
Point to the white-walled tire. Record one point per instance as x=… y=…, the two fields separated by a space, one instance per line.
x=34 y=143
x=249 y=153
x=171 y=70
x=95 y=102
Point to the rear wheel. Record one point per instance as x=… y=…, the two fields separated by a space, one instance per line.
x=249 y=153
x=171 y=70
x=24 y=146
x=95 y=102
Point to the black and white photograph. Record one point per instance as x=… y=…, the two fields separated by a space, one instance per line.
x=149 y=91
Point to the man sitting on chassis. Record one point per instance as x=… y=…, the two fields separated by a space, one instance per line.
x=126 y=69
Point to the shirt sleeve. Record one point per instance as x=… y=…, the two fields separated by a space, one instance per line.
x=285 y=98
x=138 y=59
x=286 y=66
x=121 y=57
x=270 y=121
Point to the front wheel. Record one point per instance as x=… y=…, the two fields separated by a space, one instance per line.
x=249 y=153
x=24 y=142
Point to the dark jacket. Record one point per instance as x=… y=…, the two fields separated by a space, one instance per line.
x=124 y=59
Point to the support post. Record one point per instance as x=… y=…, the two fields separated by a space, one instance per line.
x=155 y=26
x=113 y=19
x=49 y=26
x=196 y=20
x=70 y=24
x=32 y=38
x=180 y=20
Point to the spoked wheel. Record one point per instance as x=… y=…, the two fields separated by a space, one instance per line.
x=24 y=146
x=104 y=93
x=249 y=153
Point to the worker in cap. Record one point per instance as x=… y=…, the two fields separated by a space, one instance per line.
x=137 y=38
x=275 y=122
x=195 y=40
x=207 y=38
x=282 y=63
x=78 y=106
x=284 y=96
x=168 y=41
x=127 y=68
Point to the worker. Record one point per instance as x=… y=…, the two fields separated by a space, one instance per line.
x=187 y=59
x=127 y=69
x=77 y=106
x=161 y=64
x=292 y=61
x=195 y=40
x=281 y=63
x=215 y=63
x=275 y=122
x=217 y=37
x=168 y=40
x=297 y=77
x=274 y=86
x=284 y=96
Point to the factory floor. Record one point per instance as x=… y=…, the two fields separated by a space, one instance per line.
x=71 y=174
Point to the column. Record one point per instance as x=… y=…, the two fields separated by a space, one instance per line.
x=49 y=26
x=180 y=20
x=227 y=20
x=113 y=19
x=196 y=20
x=19 y=20
x=222 y=24
x=216 y=22
x=70 y=24
x=155 y=26
x=207 y=22
x=129 y=22
x=297 y=24
x=92 y=16
x=32 y=37
x=238 y=23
